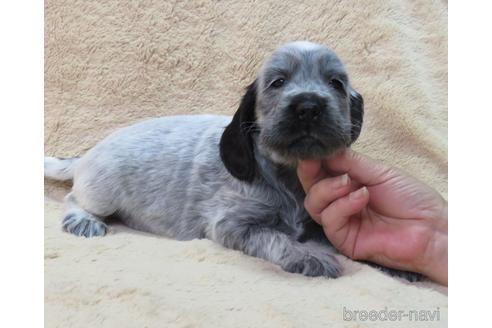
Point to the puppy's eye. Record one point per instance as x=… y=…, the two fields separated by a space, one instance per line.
x=278 y=83
x=337 y=84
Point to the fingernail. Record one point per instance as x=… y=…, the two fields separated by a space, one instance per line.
x=343 y=181
x=358 y=194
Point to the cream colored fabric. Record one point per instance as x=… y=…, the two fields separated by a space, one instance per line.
x=111 y=63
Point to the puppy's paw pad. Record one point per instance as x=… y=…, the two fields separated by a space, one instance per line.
x=84 y=225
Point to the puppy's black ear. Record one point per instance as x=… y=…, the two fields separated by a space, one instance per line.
x=356 y=113
x=236 y=144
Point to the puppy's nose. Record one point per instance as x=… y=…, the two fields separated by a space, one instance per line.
x=308 y=110
x=307 y=107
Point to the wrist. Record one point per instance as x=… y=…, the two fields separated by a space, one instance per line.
x=435 y=263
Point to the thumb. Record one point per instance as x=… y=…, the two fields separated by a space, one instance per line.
x=309 y=172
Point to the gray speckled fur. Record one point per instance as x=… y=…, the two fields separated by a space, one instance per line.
x=165 y=176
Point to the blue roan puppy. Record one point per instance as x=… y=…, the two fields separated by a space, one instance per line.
x=232 y=181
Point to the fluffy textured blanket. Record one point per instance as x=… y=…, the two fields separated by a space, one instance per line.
x=111 y=63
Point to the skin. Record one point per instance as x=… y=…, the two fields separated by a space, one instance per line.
x=373 y=212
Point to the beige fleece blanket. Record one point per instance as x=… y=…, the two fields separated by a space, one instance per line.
x=111 y=63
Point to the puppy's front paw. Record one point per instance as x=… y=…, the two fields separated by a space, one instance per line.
x=314 y=266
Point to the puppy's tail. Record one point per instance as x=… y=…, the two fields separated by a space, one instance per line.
x=59 y=168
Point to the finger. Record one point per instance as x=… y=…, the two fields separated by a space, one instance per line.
x=310 y=172
x=361 y=168
x=336 y=216
x=324 y=192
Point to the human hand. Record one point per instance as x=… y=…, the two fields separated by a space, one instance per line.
x=377 y=213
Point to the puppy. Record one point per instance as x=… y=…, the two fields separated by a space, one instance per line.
x=231 y=181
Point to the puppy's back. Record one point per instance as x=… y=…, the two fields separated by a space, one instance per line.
x=152 y=169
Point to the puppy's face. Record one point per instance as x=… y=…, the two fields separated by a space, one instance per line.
x=301 y=106
x=303 y=103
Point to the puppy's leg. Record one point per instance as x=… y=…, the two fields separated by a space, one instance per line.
x=80 y=222
x=265 y=242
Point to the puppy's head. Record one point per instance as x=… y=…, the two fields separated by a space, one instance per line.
x=301 y=106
